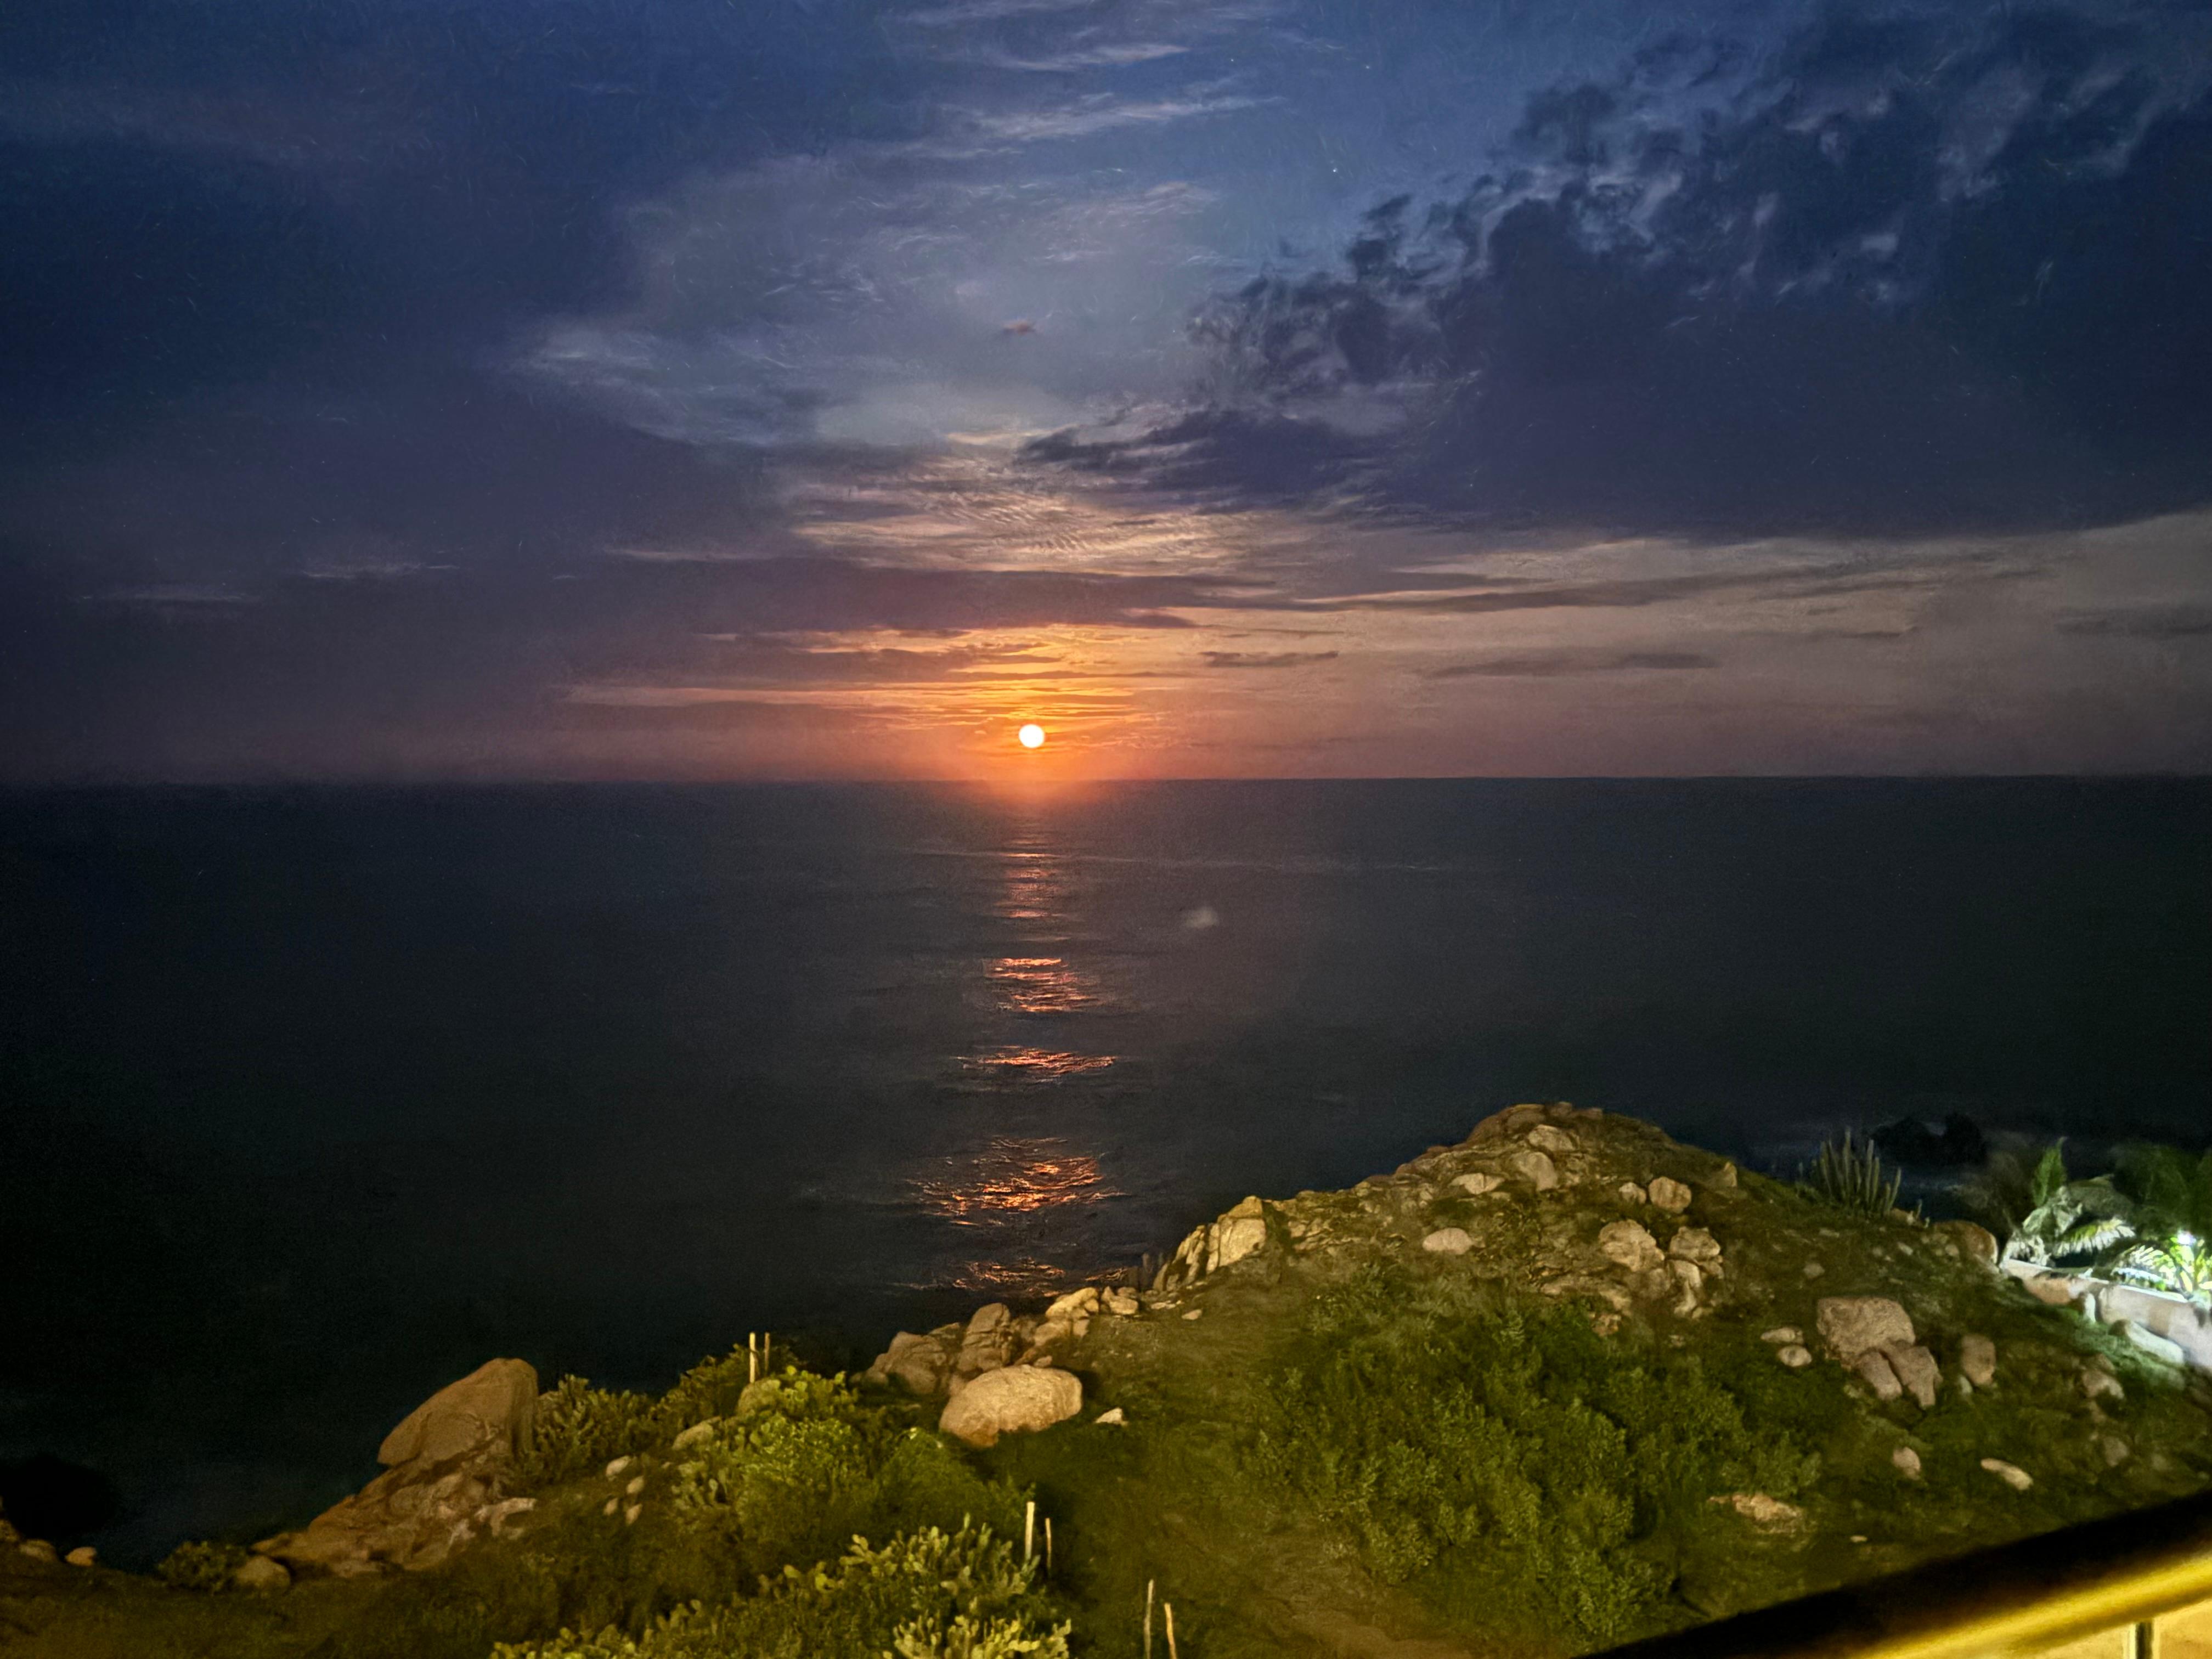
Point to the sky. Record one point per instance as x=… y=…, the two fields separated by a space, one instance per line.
x=734 y=389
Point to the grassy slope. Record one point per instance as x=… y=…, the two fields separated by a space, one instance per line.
x=1361 y=1449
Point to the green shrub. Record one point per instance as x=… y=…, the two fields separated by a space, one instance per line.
x=926 y=1595
x=580 y=1429
x=202 y=1566
x=1507 y=1445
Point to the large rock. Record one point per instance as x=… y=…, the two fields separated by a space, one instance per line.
x=1874 y=1367
x=449 y=1460
x=989 y=1341
x=916 y=1364
x=258 y=1572
x=1696 y=1244
x=1241 y=1233
x=1630 y=1244
x=1015 y=1398
x=489 y=1411
x=1536 y=1169
x=1974 y=1242
x=1977 y=1359
x=1851 y=1325
x=1915 y=1368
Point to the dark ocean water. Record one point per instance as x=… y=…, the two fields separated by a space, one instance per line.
x=311 y=1100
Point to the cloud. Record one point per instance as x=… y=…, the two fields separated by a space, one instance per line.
x=1081 y=58
x=2154 y=622
x=1553 y=665
x=1899 y=278
x=1267 y=659
x=1099 y=113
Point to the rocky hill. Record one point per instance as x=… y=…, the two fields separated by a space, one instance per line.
x=1563 y=1384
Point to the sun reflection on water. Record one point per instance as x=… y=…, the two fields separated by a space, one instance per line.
x=1043 y=985
x=1011 y=1178
x=1032 y=1064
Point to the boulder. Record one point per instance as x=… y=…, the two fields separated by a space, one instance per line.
x=1628 y=1244
x=1536 y=1169
x=1547 y=1139
x=916 y=1364
x=2011 y=1474
x=448 y=1460
x=1669 y=1195
x=988 y=1342
x=2101 y=1385
x=258 y=1572
x=1917 y=1370
x=1013 y=1399
x=2054 y=1289
x=1476 y=1184
x=82 y=1556
x=1448 y=1241
x=1851 y=1325
x=1076 y=1304
x=1689 y=1285
x=1795 y=1355
x=1696 y=1244
x=1782 y=1334
x=37 y=1549
x=1241 y=1232
x=1977 y=1359
x=1632 y=1194
x=488 y=1413
x=687 y=1438
x=1122 y=1302
x=1874 y=1367
x=1976 y=1244
x=1907 y=1462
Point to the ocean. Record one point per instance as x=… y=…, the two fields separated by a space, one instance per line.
x=311 y=1099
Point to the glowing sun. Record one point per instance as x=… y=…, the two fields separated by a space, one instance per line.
x=1031 y=737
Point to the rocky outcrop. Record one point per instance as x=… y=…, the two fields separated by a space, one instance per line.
x=1851 y=1325
x=1013 y=1399
x=444 y=1483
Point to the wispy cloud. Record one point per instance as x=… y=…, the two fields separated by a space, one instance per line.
x=1553 y=665
x=1267 y=659
x=2151 y=621
x=1100 y=113
x=1078 y=57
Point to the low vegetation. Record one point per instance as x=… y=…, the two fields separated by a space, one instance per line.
x=1495 y=1454
x=1457 y=1406
x=926 y=1595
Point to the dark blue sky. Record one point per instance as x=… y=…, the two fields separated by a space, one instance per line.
x=552 y=387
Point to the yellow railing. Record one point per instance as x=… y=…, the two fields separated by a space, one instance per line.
x=2134 y=1587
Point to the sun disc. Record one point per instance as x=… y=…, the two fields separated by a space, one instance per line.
x=1031 y=737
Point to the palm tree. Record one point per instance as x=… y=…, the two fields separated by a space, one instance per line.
x=2043 y=1215
x=2172 y=1214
